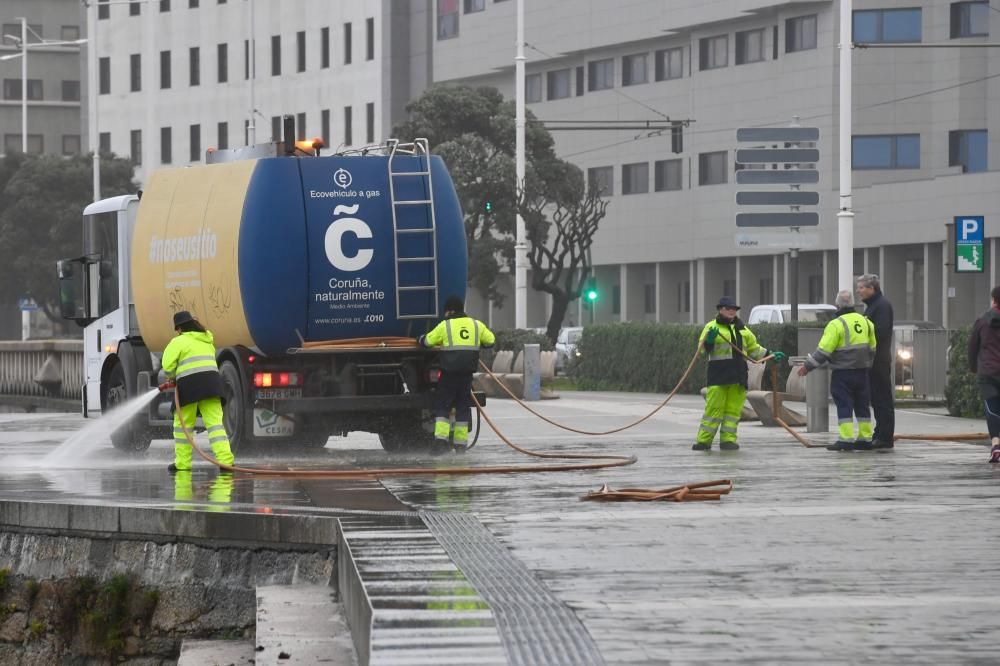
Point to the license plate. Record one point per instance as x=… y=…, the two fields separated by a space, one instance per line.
x=278 y=393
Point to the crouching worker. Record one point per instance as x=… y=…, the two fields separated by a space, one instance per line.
x=189 y=361
x=459 y=337
x=848 y=345
x=726 y=340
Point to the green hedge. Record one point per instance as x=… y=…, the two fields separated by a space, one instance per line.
x=961 y=392
x=647 y=357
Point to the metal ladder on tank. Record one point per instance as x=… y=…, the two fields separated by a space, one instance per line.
x=419 y=149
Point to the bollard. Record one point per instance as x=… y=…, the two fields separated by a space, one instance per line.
x=818 y=400
x=532 y=372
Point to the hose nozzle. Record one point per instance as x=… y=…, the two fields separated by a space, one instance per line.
x=167 y=385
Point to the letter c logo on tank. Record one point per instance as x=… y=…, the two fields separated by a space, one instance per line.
x=334 y=240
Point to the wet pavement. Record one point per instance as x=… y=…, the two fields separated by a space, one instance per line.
x=815 y=557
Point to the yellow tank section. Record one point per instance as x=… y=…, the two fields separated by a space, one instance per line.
x=185 y=252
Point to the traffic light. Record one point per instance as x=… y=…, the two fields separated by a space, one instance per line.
x=488 y=207
x=590 y=291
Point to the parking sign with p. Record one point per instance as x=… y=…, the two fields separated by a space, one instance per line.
x=969 y=244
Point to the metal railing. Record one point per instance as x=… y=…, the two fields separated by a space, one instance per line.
x=41 y=373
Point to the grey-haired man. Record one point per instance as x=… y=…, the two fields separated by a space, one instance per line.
x=878 y=309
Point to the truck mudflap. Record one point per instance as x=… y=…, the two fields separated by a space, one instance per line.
x=360 y=403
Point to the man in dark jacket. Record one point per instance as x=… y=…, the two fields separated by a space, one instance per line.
x=878 y=309
x=984 y=360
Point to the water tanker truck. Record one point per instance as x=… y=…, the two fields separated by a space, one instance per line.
x=305 y=269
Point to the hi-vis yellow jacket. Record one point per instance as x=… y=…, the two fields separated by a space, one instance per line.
x=848 y=343
x=189 y=360
x=459 y=339
x=725 y=365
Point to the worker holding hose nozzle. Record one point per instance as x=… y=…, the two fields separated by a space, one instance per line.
x=189 y=360
x=727 y=375
x=984 y=361
x=848 y=345
x=459 y=337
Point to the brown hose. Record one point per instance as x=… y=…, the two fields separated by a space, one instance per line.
x=691 y=492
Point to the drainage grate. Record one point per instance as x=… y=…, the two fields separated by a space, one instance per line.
x=534 y=626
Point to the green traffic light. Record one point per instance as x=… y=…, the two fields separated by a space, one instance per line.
x=592 y=295
x=488 y=207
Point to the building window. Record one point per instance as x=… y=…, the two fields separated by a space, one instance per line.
x=447 y=23
x=712 y=168
x=324 y=121
x=888 y=151
x=347 y=44
x=166 y=145
x=164 y=5
x=104 y=76
x=195 y=143
x=300 y=127
x=69 y=33
x=800 y=33
x=579 y=81
x=275 y=55
x=134 y=8
x=557 y=84
x=635 y=178
x=815 y=288
x=71 y=91
x=222 y=136
x=765 y=291
x=300 y=51
x=616 y=299
x=970 y=19
x=601 y=74
x=669 y=64
x=369 y=39
x=601 y=180
x=324 y=48
x=192 y=4
x=684 y=296
x=222 y=60
x=370 y=122
x=247 y=60
x=104 y=143
x=135 y=72
x=12 y=89
x=276 y=133
x=13 y=143
x=968 y=149
x=533 y=88
x=103 y=9
x=135 y=146
x=667 y=175
x=714 y=52
x=194 y=56
x=729 y=286
x=348 y=138
x=71 y=144
x=649 y=298
x=164 y=70
x=473 y=6
x=749 y=46
x=14 y=29
x=887 y=26
x=634 y=69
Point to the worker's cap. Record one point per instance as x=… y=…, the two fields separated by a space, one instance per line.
x=454 y=304
x=182 y=317
x=726 y=302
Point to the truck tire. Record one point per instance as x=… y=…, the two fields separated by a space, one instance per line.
x=134 y=436
x=236 y=413
x=411 y=434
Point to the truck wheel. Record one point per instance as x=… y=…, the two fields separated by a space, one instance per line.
x=235 y=412
x=410 y=435
x=134 y=436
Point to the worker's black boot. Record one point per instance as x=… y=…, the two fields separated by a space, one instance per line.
x=701 y=446
x=729 y=446
x=863 y=445
x=841 y=445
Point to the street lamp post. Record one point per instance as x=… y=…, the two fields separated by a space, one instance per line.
x=23 y=55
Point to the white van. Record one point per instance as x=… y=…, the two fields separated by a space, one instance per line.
x=782 y=313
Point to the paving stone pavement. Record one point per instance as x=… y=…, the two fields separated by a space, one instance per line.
x=816 y=557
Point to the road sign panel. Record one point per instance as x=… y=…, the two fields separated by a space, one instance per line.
x=777 y=219
x=791 y=134
x=969 y=244
x=27 y=304
x=772 y=238
x=776 y=176
x=790 y=198
x=772 y=155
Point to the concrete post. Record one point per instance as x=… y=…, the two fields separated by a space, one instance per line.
x=818 y=400
x=532 y=371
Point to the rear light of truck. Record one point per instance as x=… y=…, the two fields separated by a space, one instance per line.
x=269 y=379
x=434 y=375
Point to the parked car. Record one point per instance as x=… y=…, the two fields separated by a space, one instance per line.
x=782 y=313
x=566 y=346
x=902 y=339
